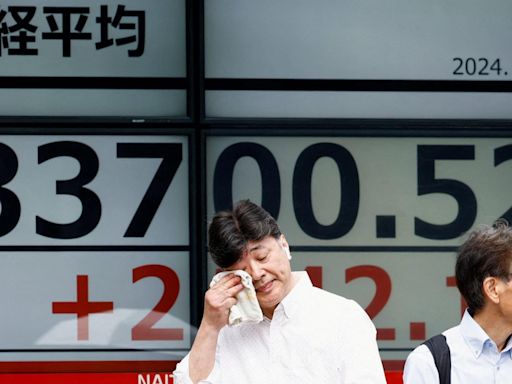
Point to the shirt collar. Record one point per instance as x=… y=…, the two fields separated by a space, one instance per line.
x=292 y=302
x=476 y=338
x=508 y=347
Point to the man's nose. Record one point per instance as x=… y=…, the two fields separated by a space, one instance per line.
x=256 y=271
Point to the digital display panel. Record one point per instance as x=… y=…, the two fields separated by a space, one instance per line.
x=93 y=58
x=95 y=246
x=352 y=59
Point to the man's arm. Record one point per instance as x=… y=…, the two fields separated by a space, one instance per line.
x=217 y=302
x=420 y=367
x=202 y=355
x=362 y=363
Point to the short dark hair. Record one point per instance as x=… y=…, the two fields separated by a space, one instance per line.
x=486 y=252
x=230 y=231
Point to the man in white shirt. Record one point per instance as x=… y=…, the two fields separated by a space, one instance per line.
x=480 y=346
x=308 y=335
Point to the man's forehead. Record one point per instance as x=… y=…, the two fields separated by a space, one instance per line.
x=248 y=251
x=255 y=246
x=253 y=249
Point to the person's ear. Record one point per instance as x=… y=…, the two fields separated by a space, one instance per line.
x=288 y=254
x=286 y=246
x=492 y=288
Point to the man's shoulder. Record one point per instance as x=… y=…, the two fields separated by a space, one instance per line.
x=326 y=295
x=333 y=303
x=421 y=355
x=455 y=340
x=420 y=367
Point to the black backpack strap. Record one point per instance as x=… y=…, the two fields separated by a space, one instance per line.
x=441 y=353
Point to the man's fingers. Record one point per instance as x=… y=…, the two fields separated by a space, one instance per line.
x=228 y=281
x=227 y=288
x=230 y=301
x=233 y=291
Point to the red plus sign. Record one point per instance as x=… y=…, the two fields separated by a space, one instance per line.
x=82 y=306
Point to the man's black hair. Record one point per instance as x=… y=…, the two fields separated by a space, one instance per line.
x=230 y=231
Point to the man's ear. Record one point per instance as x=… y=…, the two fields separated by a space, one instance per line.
x=284 y=244
x=491 y=287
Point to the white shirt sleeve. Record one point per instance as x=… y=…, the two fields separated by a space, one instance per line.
x=420 y=367
x=363 y=364
x=181 y=374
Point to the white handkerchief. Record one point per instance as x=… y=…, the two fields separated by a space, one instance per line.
x=247 y=308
